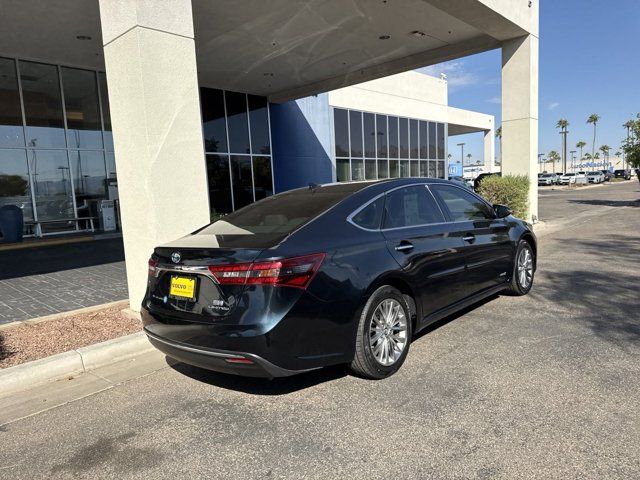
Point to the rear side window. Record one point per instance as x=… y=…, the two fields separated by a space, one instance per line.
x=281 y=213
x=411 y=206
x=370 y=216
x=462 y=206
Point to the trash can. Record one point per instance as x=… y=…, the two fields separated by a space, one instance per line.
x=107 y=215
x=11 y=224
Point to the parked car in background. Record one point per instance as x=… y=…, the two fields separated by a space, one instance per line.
x=626 y=174
x=607 y=175
x=567 y=178
x=595 y=177
x=547 y=179
x=482 y=176
x=332 y=274
x=461 y=181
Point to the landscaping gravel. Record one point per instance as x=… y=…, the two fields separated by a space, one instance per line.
x=28 y=342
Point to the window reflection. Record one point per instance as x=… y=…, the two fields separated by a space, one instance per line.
x=52 y=188
x=219 y=184
x=213 y=123
x=14 y=181
x=89 y=175
x=82 y=110
x=259 y=122
x=242 y=181
x=238 y=122
x=42 y=104
x=262 y=180
x=11 y=132
x=106 y=113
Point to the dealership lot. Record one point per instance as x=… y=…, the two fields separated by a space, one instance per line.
x=539 y=386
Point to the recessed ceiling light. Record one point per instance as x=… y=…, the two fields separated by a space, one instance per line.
x=384 y=37
x=83 y=37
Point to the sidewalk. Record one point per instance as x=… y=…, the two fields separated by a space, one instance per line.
x=47 y=279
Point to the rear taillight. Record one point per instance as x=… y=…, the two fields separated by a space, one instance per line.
x=289 y=272
x=153 y=271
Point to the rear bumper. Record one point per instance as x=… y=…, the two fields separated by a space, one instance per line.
x=224 y=361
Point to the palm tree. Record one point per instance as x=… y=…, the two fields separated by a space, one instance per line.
x=562 y=125
x=605 y=151
x=499 y=136
x=593 y=118
x=581 y=145
x=469 y=158
x=553 y=157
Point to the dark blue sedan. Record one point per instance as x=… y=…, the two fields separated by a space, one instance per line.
x=343 y=273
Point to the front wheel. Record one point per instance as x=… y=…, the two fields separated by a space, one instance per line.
x=383 y=336
x=523 y=270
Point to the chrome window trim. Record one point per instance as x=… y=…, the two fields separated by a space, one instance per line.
x=427 y=185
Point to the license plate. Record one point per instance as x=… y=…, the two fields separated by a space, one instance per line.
x=183 y=288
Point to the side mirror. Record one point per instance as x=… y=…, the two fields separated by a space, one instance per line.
x=502 y=211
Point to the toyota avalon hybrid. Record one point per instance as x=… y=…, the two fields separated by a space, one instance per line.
x=342 y=273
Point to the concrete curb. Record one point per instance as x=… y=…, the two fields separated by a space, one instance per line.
x=72 y=363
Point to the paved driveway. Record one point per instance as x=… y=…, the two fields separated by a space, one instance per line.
x=542 y=386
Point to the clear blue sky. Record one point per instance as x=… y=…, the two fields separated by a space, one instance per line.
x=589 y=63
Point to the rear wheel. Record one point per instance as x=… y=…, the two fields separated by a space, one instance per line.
x=384 y=334
x=523 y=270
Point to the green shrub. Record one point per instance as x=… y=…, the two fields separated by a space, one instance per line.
x=509 y=190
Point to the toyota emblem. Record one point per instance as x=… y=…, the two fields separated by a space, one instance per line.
x=175 y=257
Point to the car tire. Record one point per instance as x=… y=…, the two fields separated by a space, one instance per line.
x=517 y=286
x=368 y=361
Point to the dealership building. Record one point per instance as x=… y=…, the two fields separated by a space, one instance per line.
x=181 y=110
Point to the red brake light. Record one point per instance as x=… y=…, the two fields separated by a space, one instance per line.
x=153 y=272
x=289 y=272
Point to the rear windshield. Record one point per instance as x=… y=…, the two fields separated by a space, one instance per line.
x=281 y=213
x=569 y=174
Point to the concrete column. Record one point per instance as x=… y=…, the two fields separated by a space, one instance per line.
x=520 y=112
x=150 y=62
x=490 y=150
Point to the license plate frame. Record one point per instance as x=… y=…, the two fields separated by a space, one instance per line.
x=185 y=280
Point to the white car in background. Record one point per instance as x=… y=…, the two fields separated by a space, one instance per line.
x=579 y=178
x=595 y=177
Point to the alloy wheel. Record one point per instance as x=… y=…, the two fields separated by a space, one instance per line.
x=525 y=267
x=388 y=332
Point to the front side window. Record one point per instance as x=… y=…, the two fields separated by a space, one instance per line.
x=411 y=206
x=462 y=205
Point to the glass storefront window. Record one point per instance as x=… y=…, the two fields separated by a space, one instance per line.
x=42 y=104
x=342 y=170
x=14 y=181
x=403 y=147
x=369 y=128
x=11 y=131
x=341 y=124
x=237 y=180
x=404 y=138
x=82 y=108
x=89 y=175
x=393 y=137
x=106 y=114
x=213 y=123
x=381 y=133
x=259 y=124
x=424 y=139
x=262 y=181
x=237 y=121
x=355 y=133
x=413 y=138
x=357 y=169
x=440 y=141
x=242 y=185
x=432 y=140
x=52 y=189
x=219 y=184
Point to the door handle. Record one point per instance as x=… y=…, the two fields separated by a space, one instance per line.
x=469 y=238
x=404 y=247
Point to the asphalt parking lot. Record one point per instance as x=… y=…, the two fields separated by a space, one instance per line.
x=542 y=386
